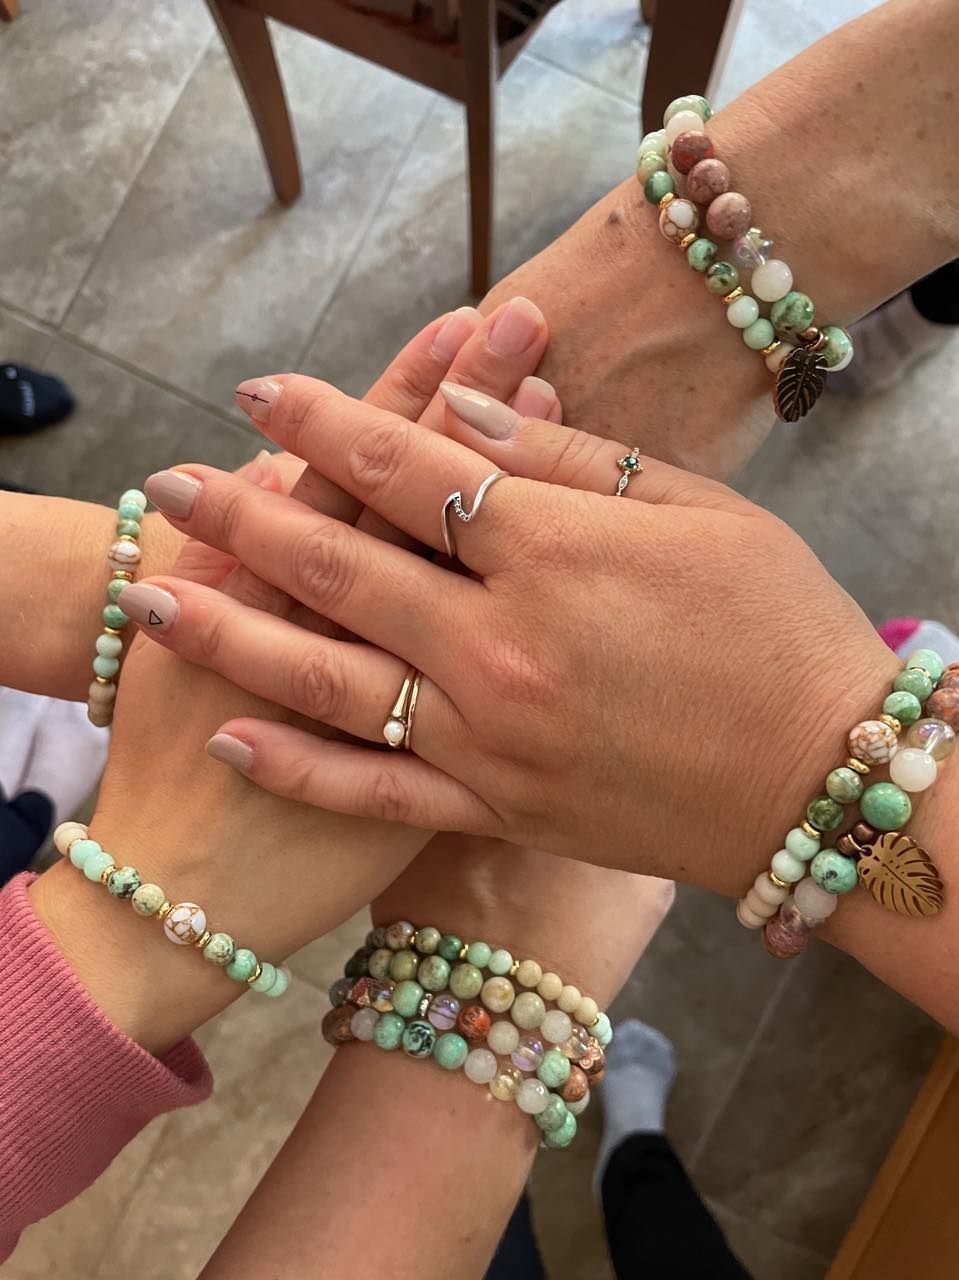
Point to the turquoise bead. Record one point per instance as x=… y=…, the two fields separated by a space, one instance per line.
x=565 y=1134
x=838 y=347
x=929 y=660
x=266 y=979
x=419 y=1038
x=403 y=965
x=758 y=335
x=109 y=646
x=113 y=616
x=124 y=882
x=554 y=1069
x=553 y=1116
x=433 y=973
x=801 y=845
x=80 y=850
x=135 y=497
x=602 y=1030
x=705 y=109
x=130 y=527
x=906 y=707
x=106 y=667
x=95 y=865
x=378 y=965
x=450 y=1051
x=833 y=872
x=844 y=785
x=792 y=314
x=130 y=511
x=478 y=953
x=114 y=587
x=656 y=186
x=427 y=940
x=500 y=962
x=220 y=950
x=450 y=947
x=406 y=998
x=701 y=254
x=824 y=813
x=388 y=1032
x=914 y=682
x=722 y=278
x=242 y=965
x=280 y=983
x=886 y=806
x=466 y=981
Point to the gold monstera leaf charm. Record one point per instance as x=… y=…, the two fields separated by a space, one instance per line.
x=901 y=876
x=799 y=383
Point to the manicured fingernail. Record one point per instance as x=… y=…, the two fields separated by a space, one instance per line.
x=173 y=493
x=154 y=608
x=496 y=420
x=257 y=396
x=534 y=398
x=259 y=468
x=229 y=750
x=458 y=327
x=516 y=328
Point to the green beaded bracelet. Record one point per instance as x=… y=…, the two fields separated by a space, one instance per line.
x=123 y=557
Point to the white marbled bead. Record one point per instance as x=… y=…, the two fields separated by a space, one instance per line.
x=532 y=1097
x=766 y=891
x=569 y=998
x=743 y=311
x=65 y=835
x=772 y=280
x=503 y=1037
x=683 y=122
x=363 y=1023
x=557 y=1027
x=185 y=924
x=787 y=866
x=747 y=918
x=123 y=555
x=678 y=219
x=776 y=359
x=758 y=906
x=913 y=769
x=480 y=1066
x=813 y=903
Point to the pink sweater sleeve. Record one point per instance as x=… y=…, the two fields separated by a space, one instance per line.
x=73 y=1088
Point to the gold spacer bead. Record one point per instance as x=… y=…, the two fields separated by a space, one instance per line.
x=594 y=1022
x=733 y=296
x=412 y=942
x=686 y=241
x=780 y=884
x=893 y=723
x=122 y=573
x=164 y=910
x=464 y=951
x=773 y=346
x=859 y=766
x=257 y=973
x=110 y=631
x=514 y=969
x=810 y=830
x=103 y=680
x=107 y=872
x=667 y=199
x=203 y=939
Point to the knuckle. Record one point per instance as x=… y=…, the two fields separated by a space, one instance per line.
x=301 y=410
x=246 y=588
x=373 y=458
x=322 y=565
x=514 y=672
x=389 y=798
x=229 y=512
x=316 y=687
x=302 y=779
x=410 y=387
x=209 y=636
x=575 y=458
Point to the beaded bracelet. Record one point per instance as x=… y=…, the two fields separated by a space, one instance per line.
x=123 y=557
x=184 y=923
x=678 y=170
x=898 y=874
x=395 y=993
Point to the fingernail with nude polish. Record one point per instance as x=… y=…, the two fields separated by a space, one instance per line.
x=258 y=469
x=229 y=750
x=453 y=333
x=154 y=608
x=173 y=493
x=493 y=419
x=534 y=398
x=257 y=396
x=516 y=328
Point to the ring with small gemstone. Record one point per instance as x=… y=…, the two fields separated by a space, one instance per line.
x=454 y=506
x=629 y=466
x=398 y=730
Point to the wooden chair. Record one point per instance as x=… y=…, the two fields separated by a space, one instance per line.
x=8 y=10
x=465 y=68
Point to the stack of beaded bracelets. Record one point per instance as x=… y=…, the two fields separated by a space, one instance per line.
x=897 y=872
x=678 y=170
x=123 y=557
x=184 y=923
x=428 y=993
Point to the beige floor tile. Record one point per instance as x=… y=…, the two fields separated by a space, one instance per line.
x=321 y=962
x=84 y=90
x=204 y=280
x=22 y=341
x=604 y=41
x=765 y=1255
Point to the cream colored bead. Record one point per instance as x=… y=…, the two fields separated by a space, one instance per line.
x=742 y=312
x=549 y=986
x=758 y=906
x=65 y=835
x=776 y=359
x=683 y=122
x=528 y=1010
x=497 y=994
x=766 y=891
x=503 y=1037
x=102 y=694
x=654 y=142
x=771 y=280
x=99 y=715
x=587 y=1011
x=556 y=1027
x=569 y=998
x=529 y=973
x=748 y=919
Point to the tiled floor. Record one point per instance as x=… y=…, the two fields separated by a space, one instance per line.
x=141 y=257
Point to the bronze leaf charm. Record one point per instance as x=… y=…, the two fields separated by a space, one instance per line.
x=799 y=383
x=901 y=876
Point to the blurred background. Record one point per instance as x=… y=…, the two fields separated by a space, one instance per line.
x=145 y=259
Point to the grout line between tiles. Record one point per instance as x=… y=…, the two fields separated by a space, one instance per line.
x=98 y=252
x=546 y=61
x=376 y=207
x=812 y=1254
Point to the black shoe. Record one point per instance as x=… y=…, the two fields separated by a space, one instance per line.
x=30 y=400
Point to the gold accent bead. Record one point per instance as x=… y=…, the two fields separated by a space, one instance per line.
x=203 y=939
x=514 y=969
x=464 y=951
x=122 y=573
x=893 y=724
x=733 y=296
x=780 y=884
x=773 y=346
x=164 y=910
x=107 y=872
x=859 y=766
x=126 y=537
x=102 y=680
x=666 y=199
x=110 y=631
x=686 y=241
x=594 y=1022
x=257 y=973
x=810 y=830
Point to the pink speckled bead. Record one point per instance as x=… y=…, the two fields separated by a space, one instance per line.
x=944 y=705
x=782 y=939
x=729 y=216
x=707 y=180
x=873 y=742
x=690 y=149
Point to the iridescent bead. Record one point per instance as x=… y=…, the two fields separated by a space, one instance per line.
x=914 y=681
x=690 y=148
x=553 y=1114
x=124 y=882
x=813 y=902
x=388 y=1032
x=654 y=143
x=792 y=314
x=403 y=965
x=478 y=953
x=363 y=1024
x=220 y=950
x=678 y=218
x=528 y=1054
x=873 y=742
x=443 y=1012
x=569 y=998
x=931 y=734
x=564 y=1135
x=707 y=180
x=505 y=1083
x=722 y=278
x=498 y=994
x=928 y=660
x=684 y=121
x=185 y=923
x=466 y=981
x=838 y=351
x=656 y=186
x=532 y=1097
x=752 y=249
x=450 y=947
x=771 y=280
x=474 y=1023
x=824 y=813
x=759 y=335
x=336 y=1026
x=787 y=867
x=148 y=899
x=577 y=1046
x=503 y=1037
x=528 y=1010
x=500 y=962
x=729 y=215
x=451 y=1051
x=243 y=965
x=433 y=973
x=844 y=785
x=418 y=1039
x=649 y=162
x=124 y=555
x=912 y=769
x=554 y=1069
x=109 y=646
x=693 y=102
x=381 y=994
x=480 y=1066
x=885 y=806
x=743 y=312
x=406 y=998
x=427 y=940
x=905 y=707
x=398 y=935
x=378 y=965
x=700 y=254
x=783 y=942
x=557 y=1026
x=529 y=974
x=833 y=871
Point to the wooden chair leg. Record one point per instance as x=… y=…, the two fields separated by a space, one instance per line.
x=8 y=10
x=248 y=43
x=685 y=41
x=478 y=39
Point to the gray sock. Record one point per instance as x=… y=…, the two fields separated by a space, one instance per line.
x=640 y=1070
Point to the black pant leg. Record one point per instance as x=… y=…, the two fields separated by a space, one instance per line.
x=517 y=1257
x=657 y=1227
x=25 y=823
x=936 y=296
